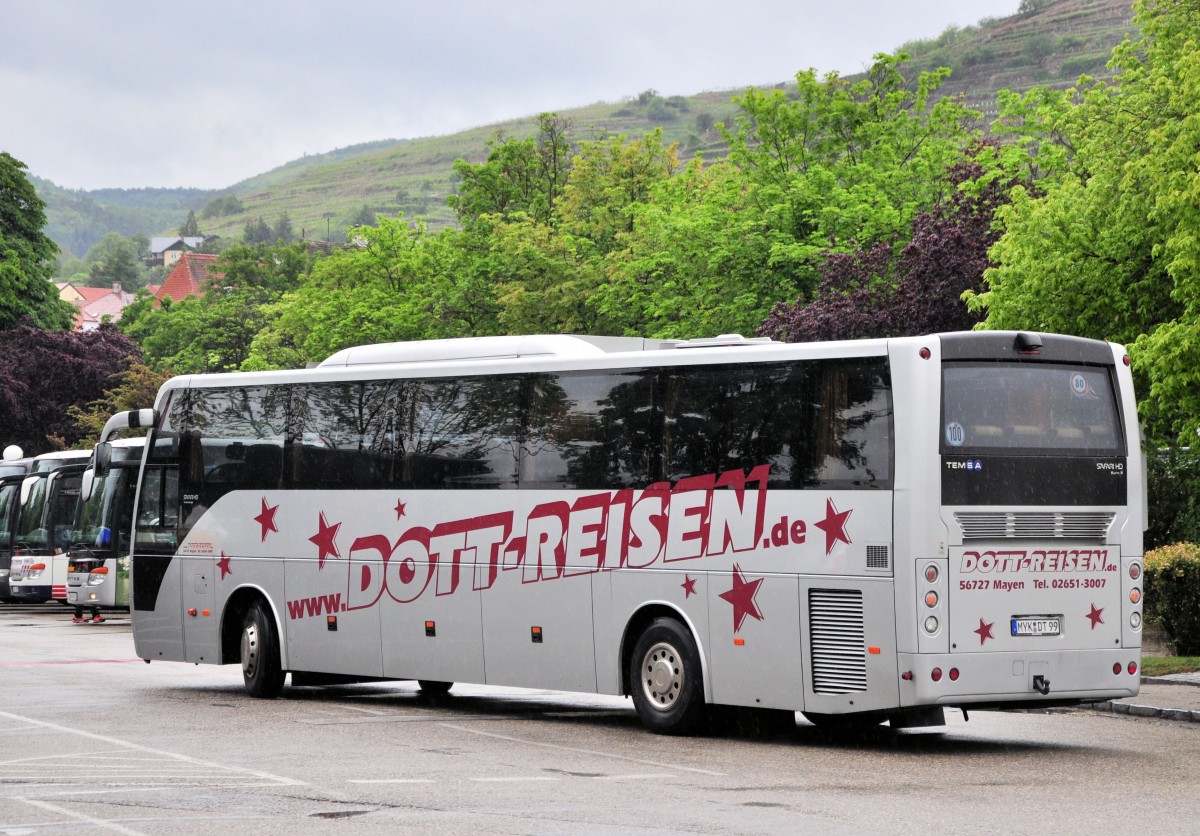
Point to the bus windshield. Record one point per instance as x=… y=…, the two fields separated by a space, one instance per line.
x=93 y=516
x=9 y=494
x=30 y=528
x=1024 y=408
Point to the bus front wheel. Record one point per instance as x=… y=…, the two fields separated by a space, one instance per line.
x=261 y=669
x=664 y=675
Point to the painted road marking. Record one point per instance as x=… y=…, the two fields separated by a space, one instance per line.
x=580 y=751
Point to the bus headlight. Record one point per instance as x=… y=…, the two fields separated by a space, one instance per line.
x=95 y=580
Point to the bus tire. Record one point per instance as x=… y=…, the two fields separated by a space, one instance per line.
x=433 y=687
x=665 y=677
x=261 y=671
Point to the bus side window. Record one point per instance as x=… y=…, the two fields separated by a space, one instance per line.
x=592 y=430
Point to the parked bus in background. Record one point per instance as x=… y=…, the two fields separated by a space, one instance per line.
x=98 y=559
x=43 y=528
x=863 y=531
x=13 y=469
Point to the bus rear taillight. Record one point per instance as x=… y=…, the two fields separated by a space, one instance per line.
x=936 y=674
x=954 y=674
x=1132 y=668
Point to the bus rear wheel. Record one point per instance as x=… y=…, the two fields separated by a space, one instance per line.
x=261 y=671
x=664 y=675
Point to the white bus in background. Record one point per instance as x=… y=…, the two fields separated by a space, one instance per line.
x=14 y=467
x=42 y=532
x=861 y=531
x=98 y=558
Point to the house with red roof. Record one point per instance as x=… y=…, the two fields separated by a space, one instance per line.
x=190 y=276
x=94 y=305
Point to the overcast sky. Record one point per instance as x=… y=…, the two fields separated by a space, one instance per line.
x=205 y=93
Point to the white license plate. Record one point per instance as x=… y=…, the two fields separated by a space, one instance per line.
x=72 y=596
x=1036 y=626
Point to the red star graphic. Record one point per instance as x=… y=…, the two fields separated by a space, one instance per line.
x=223 y=565
x=689 y=586
x=399 y=509
x=834 y=525
x=985 y=631
x=742 y=598
x=324 y=540
x=1096 y=616
x=266 y=519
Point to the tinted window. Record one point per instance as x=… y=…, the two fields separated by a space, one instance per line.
x=824 y=424
x=1029 y=408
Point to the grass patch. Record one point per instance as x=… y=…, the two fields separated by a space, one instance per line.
x=1163 y=665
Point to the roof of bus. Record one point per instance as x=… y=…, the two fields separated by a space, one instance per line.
x=566 y=352
x=59 y=457
x=552 y=352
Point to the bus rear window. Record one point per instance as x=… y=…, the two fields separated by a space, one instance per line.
x=1031 y=409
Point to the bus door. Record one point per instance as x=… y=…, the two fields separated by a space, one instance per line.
x=155 y=596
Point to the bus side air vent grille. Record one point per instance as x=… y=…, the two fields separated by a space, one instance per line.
x=877 y=557
x=837 y=640
x=1075 y=525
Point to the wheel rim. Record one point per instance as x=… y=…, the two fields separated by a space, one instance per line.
x=662 y=676
x=249 y=650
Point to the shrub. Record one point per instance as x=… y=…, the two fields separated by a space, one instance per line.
x=1172 y=588
x=1173 y=482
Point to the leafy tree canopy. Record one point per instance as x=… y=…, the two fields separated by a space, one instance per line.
x=48 y=372
x=1109 y=249
x=26 y=254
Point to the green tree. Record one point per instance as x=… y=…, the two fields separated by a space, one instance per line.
x=522 y=176
x=191 y=227
x=27 y=255
x=829 y=168
x=398 y=282
x=116 y=259
x=283 y=231
x=1109 y=249
x=257 y=231
x=214 y=333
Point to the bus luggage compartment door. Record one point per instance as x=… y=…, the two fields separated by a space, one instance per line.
x=850 y=662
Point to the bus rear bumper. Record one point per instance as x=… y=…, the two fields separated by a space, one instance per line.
x=1017 y=680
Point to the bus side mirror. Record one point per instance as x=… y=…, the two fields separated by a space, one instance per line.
x=133 y=419
x=102 y=458
x=87 y=485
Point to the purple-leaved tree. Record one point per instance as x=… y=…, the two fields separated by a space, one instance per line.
x=886 y=290
x=46 y=372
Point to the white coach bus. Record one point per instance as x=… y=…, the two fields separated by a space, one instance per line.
x=860 y=531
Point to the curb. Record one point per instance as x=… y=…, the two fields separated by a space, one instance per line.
x=1135 y=710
